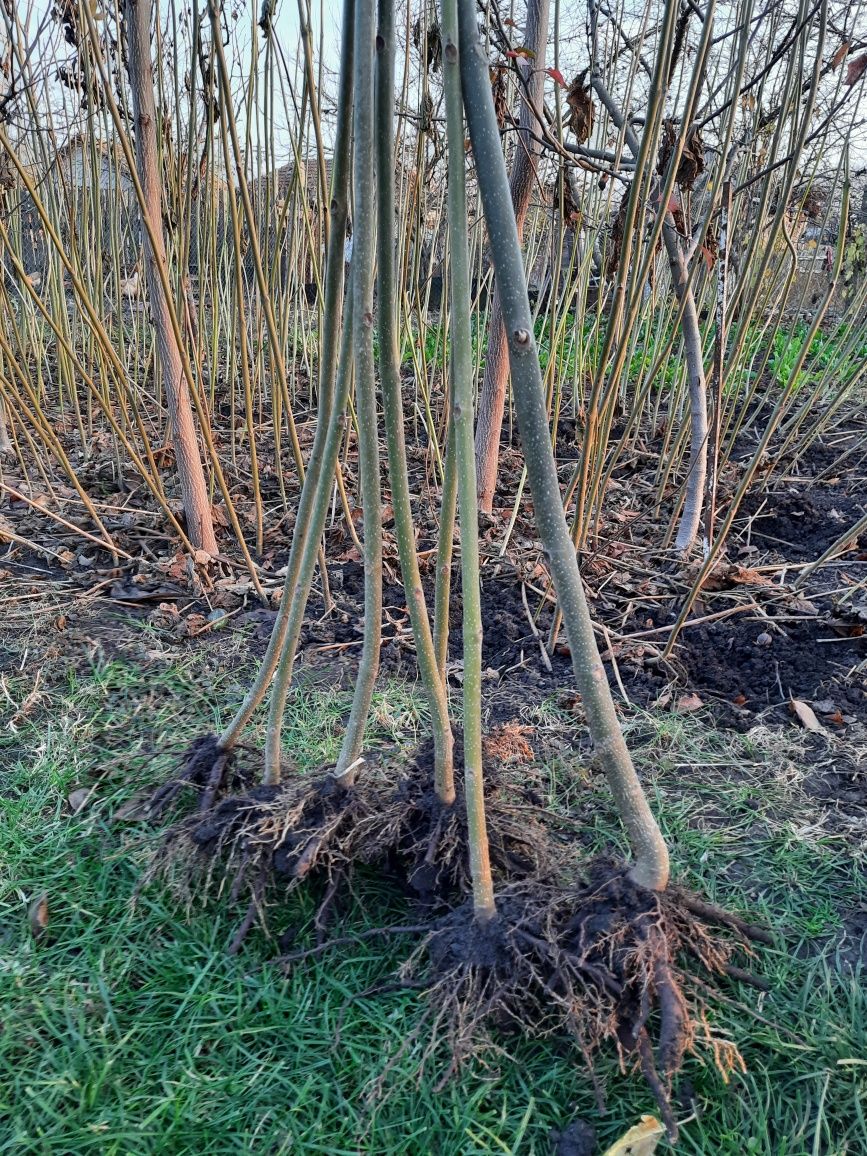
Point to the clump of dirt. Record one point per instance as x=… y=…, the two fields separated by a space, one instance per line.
x=838 y=780
x=600 y=963
x=312 y=827
x=206 y=767
x=578 y=1138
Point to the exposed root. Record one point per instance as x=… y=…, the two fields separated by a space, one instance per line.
x=205 y=766
x=604 y=962
x=432 y=851
x=313 y=828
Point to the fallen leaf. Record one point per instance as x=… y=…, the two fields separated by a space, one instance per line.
x=739 y=699
x=744 y=576
x=806 y=716
x=37 y=915
x=132 y=809
x=802 y=606
x=78 y=799
x=640 y=1140
x=688 y=702
x=190 y=626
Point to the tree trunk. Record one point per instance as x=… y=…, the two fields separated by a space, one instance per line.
x=695 y=482
x=492 y=399
x=194 y=491
x=651 y=854
x=484 y=905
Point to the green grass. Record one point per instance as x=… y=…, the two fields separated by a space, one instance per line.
x=127 y=1029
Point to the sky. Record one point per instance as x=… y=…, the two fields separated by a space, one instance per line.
x=325 y=15
x=326 y=18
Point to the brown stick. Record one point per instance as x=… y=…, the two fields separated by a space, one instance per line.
x=194 y=490
x=492 y=396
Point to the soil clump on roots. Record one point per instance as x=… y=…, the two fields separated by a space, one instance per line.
x=207 y=768
x=312 y=828
x=607 y=962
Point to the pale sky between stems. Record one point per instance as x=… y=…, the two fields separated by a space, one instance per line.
x=326 y=20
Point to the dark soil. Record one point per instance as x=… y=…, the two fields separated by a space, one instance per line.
x=852 y=950
x=800 y=522
x=742 y=665
x=577 y=1139
x=750 y=667
x=812 y=657
x=835 y=778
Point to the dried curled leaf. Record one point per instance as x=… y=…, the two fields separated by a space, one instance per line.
x=572 y=214
x=806 y=716
x=427 y=39
x=37 y=915
x=691 y=164
x=580 y=110
x=615 y=241
x=856 y=69
x=640 y=1140
x=501 y=103
x=839 y=56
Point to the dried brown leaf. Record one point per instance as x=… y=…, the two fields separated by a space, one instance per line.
x=37 y=915
x=640 y=1140
x=689 y=702
x=856 y=69
x=581 y=112
x=78 y=799
x=133 y=809
x=839 y=56
x=806 y=716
